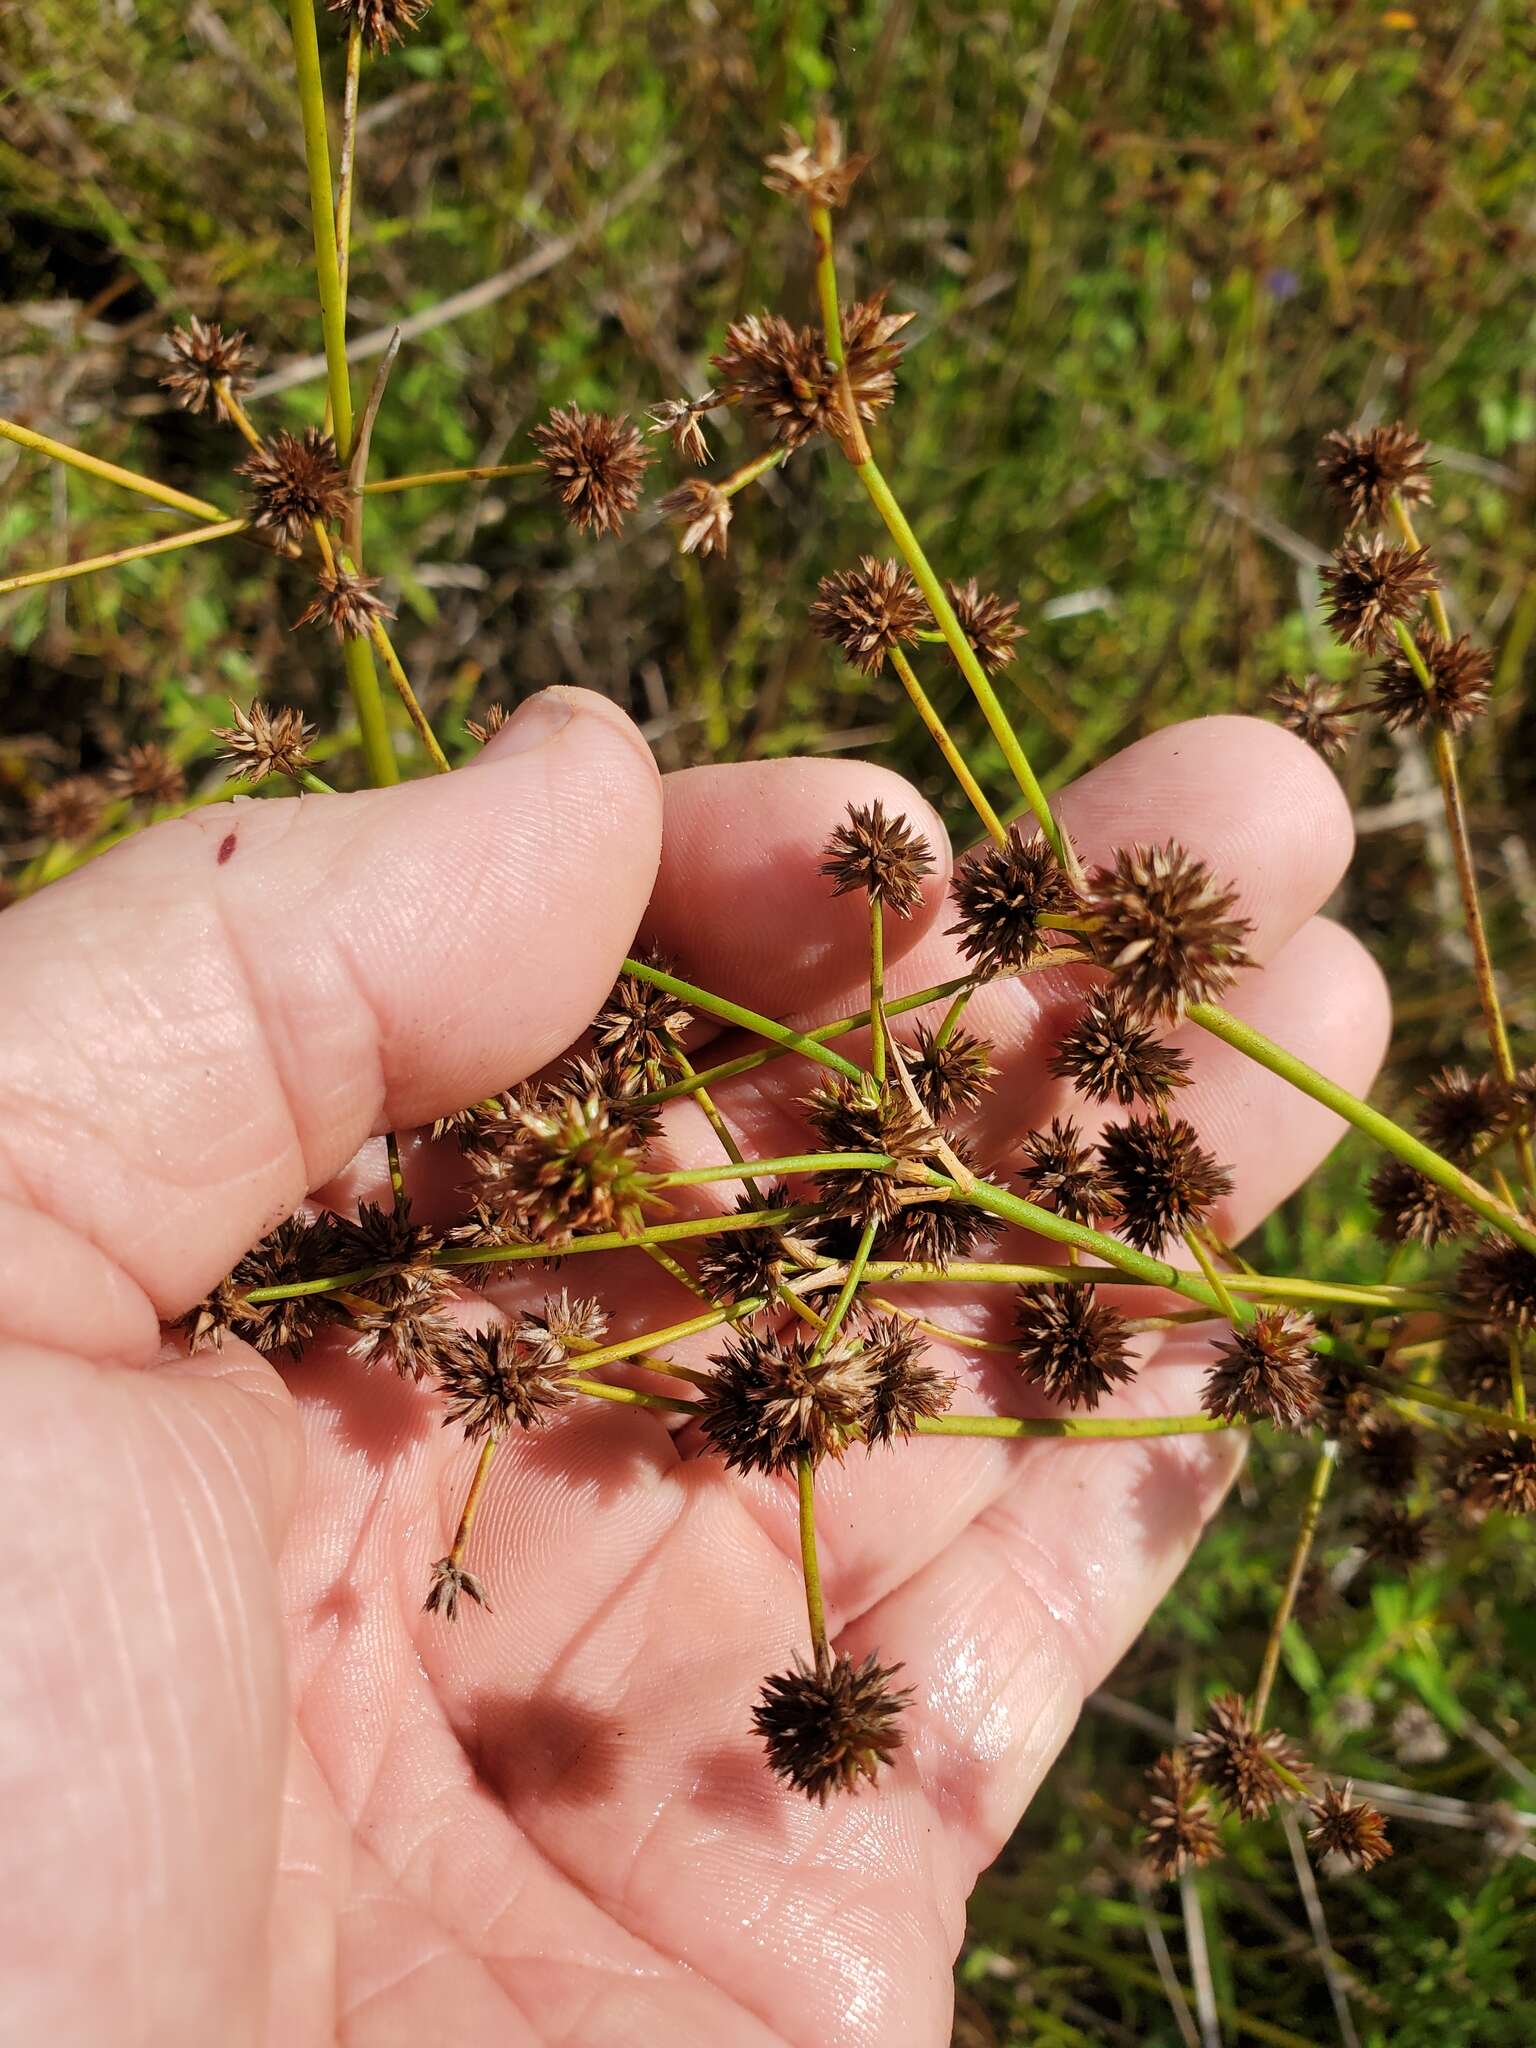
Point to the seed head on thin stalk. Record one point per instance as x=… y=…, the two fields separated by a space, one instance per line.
x=1459 y=1110
x=203 y=357
x=409 y=1330
x=1108 y=1054
x=819 y=171
x=1348 y=1827
x=783 y=374
x=1163 y=1179
x=987 y=621
x=1317 y=712
x=69 y=809
x=862 y=1116
x=827 y=1727
x=264 y=742
x=1363 y=472
x=483 y=729
x=1496 y=1469
x=146 y=774
x=1181 y=1828
x=381 y=23
x=1498 y=1279
x=1386 y=1453
x=1391 y=1534
x=1003 y=893
x=346 y=602
x=770 y=1401
x=564 y=1321
x=1411 y=1208
x=637 y=1025
x=1370 y=585
x=904 y=1387
x=880 y=855
x=1475 y=1364
x=1460 y=678
x=741 y=1263
x=682 y=421
x=949 y=1078
x=494 y=1380
x=1264 y=1372
x=1238 y=1761
x=1060 y=1172
x=1070 y=1345
x=451 y=1583
x=595 y=465
x=567 y=1162
x=297 y=1250
x=1167 y=930
x=935 y=1231
x=296 y=480
x=869 y=610
x=701 y=512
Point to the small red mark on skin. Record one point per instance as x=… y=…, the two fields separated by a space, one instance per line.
x=226 y=847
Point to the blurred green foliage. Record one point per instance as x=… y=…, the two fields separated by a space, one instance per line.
x=1155 y=250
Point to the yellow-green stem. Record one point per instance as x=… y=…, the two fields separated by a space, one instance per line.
x=473 y=1499
x=384 y=485
x=814 y=1609
x=939 y=733
x=107 y=472
x=1327 y=1459
x=877 y=988
x=64 y=572
x=1208 y=1267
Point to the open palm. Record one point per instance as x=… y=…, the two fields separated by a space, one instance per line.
x=251 y=1792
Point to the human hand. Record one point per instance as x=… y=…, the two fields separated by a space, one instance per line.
x=253 y=1794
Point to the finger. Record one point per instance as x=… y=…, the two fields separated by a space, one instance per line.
x=207 y=1022
x=740 y=902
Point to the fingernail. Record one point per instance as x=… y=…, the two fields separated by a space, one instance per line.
x=532 y=724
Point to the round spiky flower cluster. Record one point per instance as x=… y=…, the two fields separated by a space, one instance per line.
x=1168 y=930
x=1264 y=1372
x=595 y=466
x=1365 y=471
x=206 y=365
x=879 y=855
x=296 y=483
x=1004 y=895
x=825 y=1728
x=1316 y=712
x=870 y=610
x=1372 y=585
x=1460 y=676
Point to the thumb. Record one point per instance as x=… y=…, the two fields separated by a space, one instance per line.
x=207 y=1022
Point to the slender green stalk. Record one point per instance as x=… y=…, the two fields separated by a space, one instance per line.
x=659 y=1256
x=877 y=988
x=107 y=472
x=629 y=1397
x=815 y=1610
x=322 y=200
x=715 y=1120
x=850 y=1287
x=1322 y=1474
x=383 y=486
x=1516 y=1378
x=750 y=471
x=1232 y=1031
x=651 y=1340
x=939 y=733
x=1207 y=1266
x=1447 y=1404
x=396 y=1170
x=1088 y=1426
x=791 y=1162
x=65 y=572
x=736 y=1013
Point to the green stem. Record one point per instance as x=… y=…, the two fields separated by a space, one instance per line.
x=65 y=572
x=1327 y=1459
x=1516 y=1378
x=1071 y=1425
x=877 y=988
x=715 y=1120
x=749 y=472
x=792 y=1162
x=385 y=485
x=630 y=1397
x=736 y=1013
x=1257 y=1047
x=815 y=1611
x=1207 y=1266
x=1447 y=1404
x=107 y=472
x=846 y=1292
x=939 y=733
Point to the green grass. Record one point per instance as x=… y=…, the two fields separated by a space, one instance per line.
x=1155 y=252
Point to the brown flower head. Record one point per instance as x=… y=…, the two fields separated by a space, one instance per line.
x=381 y=23
x=936 y=1230
x=1316 y=712
x=1162 y=1177
x=595 y=465
x=565 y=1320
x=879 y=854
x=1522 y=1098
x=1167 y=930
x=870 y=610
x=1476 y=1364
x=1460 y=677
x=1345 y=1405
x=263 y=742
x=741 y=1263
x=1459 y=1110
x=1369 y=585
x=1390 y=1534
x=860 y=1116
x=346 y=602
x=639 y=1025
x=567 y=1162
x=682 y=421
x=1181 y=1829
x=1411 y=1209
x=147 y=775
x=701 y=512
x=871 y=353
x=1364 y=471
x=1499 y=1279
x=296 y=1250
x=904 y=1387
x=949 y=1078
x=1060 y=1172
x=819 y=171
x=767 y=1404
x=451 y=1583
x=483 y=1229
x=1386 y=1455
x=295 y=481
x=409 y=1330
x=383 y=1234
x=483 y=729
x=1003 y=892
x=1108 y=1054
x=1264 y=1372
x=825 y=1729
x=1070 y=1345
x=782 y=374
x=493 y=1380
x=203 y=357
x=70 y=808
x=1495 y=1469
x=1348 y=1827
x=1238 y=1761
x=987 y=622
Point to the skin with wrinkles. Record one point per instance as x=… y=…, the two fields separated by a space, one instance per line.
x=252 y=1794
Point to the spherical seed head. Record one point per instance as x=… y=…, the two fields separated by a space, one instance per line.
x=1002 y=893
x=264 y=742
x=451 y=1584
x=937 y=1232
x=1389 y=1534
x=1412 y=1209
x=826 y=1729
x=987 y=622
x=1238 y=1761
x=742 y=1263
x=1460 y=678
x=70 y=808
x=295 y=481
x=1498 y=1279
x=147 y=775
x=904 y=1387
x=1264 y=1372
x=564 y=1321
x=483 y=1229
x=767 y=1404
x=819 y=171
x=408 y=1330
x=1109 y=1054
x=346 y=602
x=1316 y=712
x=1181 y=1828
x=870 y=610
x=203 y=357
x=702 y=514
x=383 y=1234
x=1070 y=1345
x=638 y=1026
x=1370 y=585
x=1495 y=1470
x=1060 y=1172
x=1348 y=1827
x=1386 y=1454
x=494 y=1381
x=1475 y=1364
x=879 y=854
x=1167 y=929
x=595 y=465
x=783 y=375
x=860 y=1116
x=296 y=1250
x=682 y=421
x=1459 y=1110
x=568 y=1162
x=1162 y=1178
x=951 y=1078
x=381 y=23
x=1364 y=471
x=871 y=353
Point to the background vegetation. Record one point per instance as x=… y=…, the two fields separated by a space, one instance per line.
x=1155 y=250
